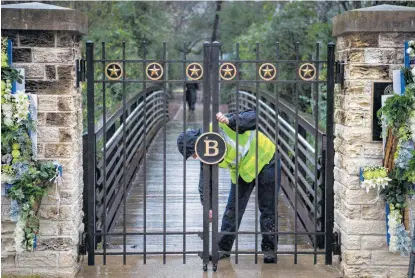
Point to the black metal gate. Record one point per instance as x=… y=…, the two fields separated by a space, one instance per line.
x=115 y=146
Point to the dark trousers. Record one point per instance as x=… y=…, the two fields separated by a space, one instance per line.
x=266 y=204
x=191 y=98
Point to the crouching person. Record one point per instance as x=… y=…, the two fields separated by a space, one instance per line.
x=246 y=176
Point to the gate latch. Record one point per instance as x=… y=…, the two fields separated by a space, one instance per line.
x=336 y=243
x=339 y=73
x=80 y=71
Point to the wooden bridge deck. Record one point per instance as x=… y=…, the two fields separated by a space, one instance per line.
x=174 y=200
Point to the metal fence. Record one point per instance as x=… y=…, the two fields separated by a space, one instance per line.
x=113 y=151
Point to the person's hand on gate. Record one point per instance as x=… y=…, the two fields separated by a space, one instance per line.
x=222 y=118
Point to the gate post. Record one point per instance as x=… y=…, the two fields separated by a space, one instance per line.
x=370 y=42
x=46 y=43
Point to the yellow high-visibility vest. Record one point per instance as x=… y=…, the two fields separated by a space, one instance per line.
x=246 y=152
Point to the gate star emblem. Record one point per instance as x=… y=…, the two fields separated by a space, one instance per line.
x=154 y=71
x=267 y=71
x=307 y=71
x=194 y=71
x=227 y=71
x=113 y=71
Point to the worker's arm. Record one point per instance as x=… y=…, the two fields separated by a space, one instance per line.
x=247 y=120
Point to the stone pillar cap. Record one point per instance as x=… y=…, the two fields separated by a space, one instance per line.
x=381 y=18
x=39 y=16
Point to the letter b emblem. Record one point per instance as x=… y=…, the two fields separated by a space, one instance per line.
x=210 y=148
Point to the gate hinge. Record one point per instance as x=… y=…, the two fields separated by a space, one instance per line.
x=336 y=243
x=80 y=71
x=82 y=244
x=339 y=73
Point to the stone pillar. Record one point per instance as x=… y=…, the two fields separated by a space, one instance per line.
x=46 y=42
x=370 y=41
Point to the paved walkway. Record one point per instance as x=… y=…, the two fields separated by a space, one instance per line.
x=193 y=268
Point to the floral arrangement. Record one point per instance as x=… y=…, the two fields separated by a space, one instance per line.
x=26 y=179
x=398 y=116
x=374 y=177
x=399 y=237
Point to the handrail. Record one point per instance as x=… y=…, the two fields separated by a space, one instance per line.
x=282 y=121
x=117 y=114
x=154 y=98
x=305 y=120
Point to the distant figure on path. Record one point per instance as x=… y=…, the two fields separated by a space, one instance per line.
x=191 y=89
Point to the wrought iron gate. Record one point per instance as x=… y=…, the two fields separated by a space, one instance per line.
x=115 y=147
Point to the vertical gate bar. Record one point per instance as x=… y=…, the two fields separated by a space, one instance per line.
x=206 y=168
x=316 y=91
x=296 y=103
x=164 y=151
x=184 y=147
x=237 y=66
x=77 y=72
x=329 y=153
x=124 y=143
x=91 y=151
x=277 y=50
x=256 y=148
x=104 y=162
x=215 y=128
x=145 y=156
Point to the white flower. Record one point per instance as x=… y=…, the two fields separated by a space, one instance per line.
x=7 y=96
x=411 y=43
x=6 y=178
x=21 y=116
x=410 y=51
x=8 y=121
x=20 y=96
x=392 y=244
x=7 y=107
x=413 y=71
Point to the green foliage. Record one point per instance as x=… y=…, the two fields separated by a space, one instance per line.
x=396 y=111
x=397 y=190
x=407 y=75
x=8 y=73
x=410 y=173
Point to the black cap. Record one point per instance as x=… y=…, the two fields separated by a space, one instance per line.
x=191 y=137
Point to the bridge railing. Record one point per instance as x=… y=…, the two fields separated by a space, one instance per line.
x=144 y=112
x=310 y=176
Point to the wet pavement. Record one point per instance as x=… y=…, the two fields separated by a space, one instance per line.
x=174 y=267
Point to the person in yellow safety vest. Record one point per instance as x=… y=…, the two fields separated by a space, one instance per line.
x=246 y=176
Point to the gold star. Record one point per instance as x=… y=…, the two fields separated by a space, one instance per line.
x=114 y=71
x=194 y=70
x=154 y=71
x=307 y=72
x=227 y=71
x=267 y=71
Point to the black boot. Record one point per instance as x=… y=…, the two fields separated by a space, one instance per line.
x=269 y=259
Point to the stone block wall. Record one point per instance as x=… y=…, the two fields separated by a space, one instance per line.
x=48 y=57
x=370 y=57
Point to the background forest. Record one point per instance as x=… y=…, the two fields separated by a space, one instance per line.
x=185 y=25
